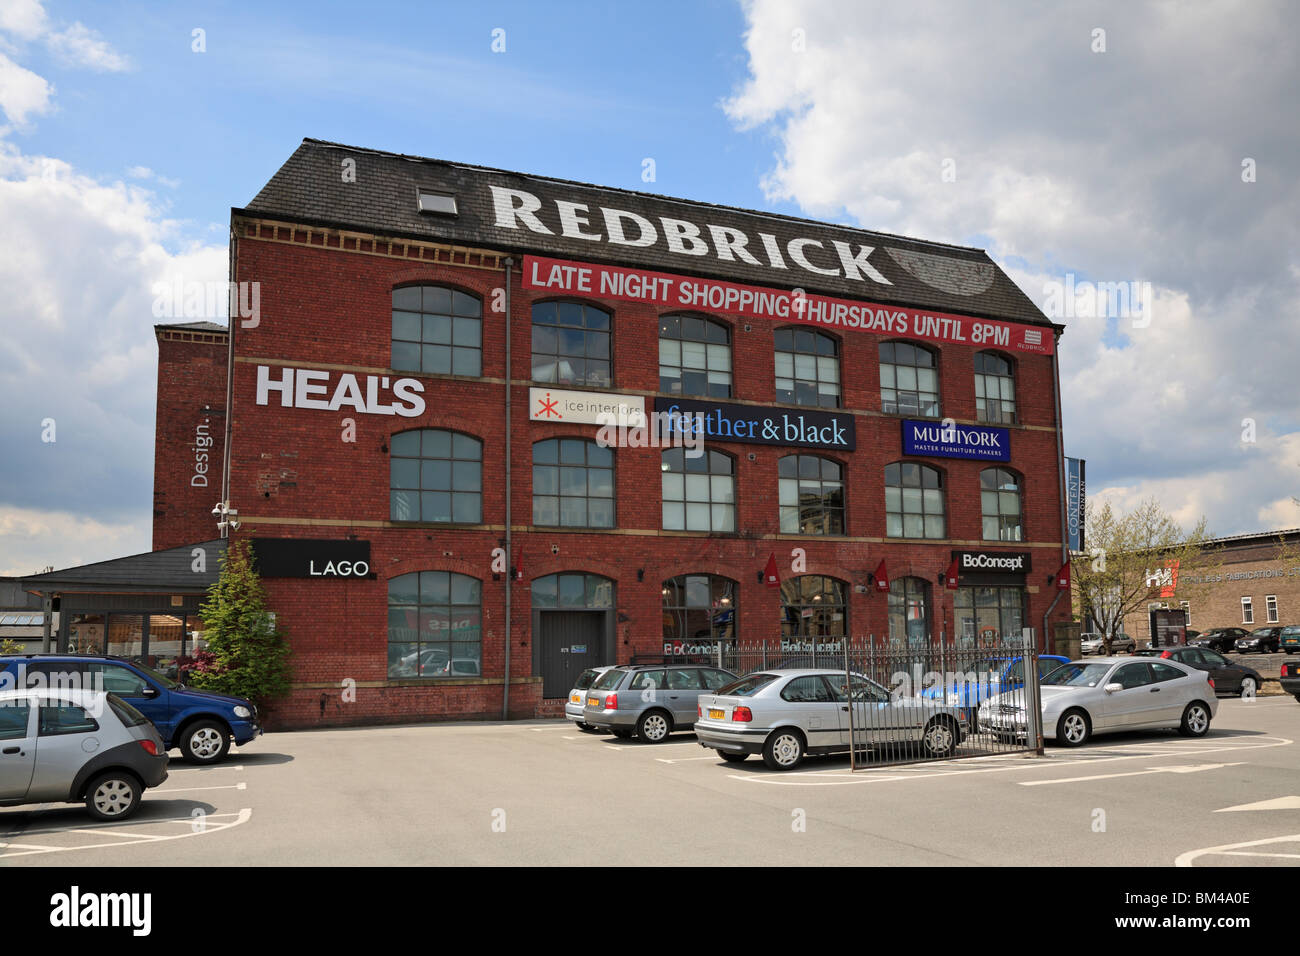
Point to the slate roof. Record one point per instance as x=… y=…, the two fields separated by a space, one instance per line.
x=154 y=572
x=194 y=326
x=310 y=189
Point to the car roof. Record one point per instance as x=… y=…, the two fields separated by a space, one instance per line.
x=79 y=695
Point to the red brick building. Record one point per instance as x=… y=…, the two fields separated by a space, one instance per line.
x=413 y=445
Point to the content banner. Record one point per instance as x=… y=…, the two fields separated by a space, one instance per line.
x=713 y=295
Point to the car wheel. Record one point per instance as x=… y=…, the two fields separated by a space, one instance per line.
x=1196 y=720
x=783 y=749
x=1247 y=687
x=732 y=758
x=113 y=796
x=940 y=737
x=1073 y=729
x=654 y=727
x=205 y=742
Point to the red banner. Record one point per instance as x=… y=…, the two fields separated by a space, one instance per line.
x=951 y=578
x=882 y=576
x=771 y=576
x=757 y=302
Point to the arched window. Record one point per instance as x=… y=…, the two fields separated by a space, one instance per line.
x=573 y=590
x=435 y=625
x=436 y=476
x=573 y=484
x=909 y=380
x=699 y=494
x=909 y=613
x=811 y=495
x=1000 y=505
x=995 y=389
x=814 y=609
x=913 y=501
x=694 y=356
x=807 y=368
x=437 y=330
x=698 y=610
x=571 y=344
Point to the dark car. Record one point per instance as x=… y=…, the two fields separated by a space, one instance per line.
x=1262 y=640
x=1235 y=680
x=1289 y=639
x=1290 y=678
x=199 y=723
x=1222 y=639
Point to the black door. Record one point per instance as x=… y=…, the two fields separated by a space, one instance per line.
x=571 y=641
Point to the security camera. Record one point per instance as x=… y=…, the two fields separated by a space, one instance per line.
x=234 y=526
x=216 y=510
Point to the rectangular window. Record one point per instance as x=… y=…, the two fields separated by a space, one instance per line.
x=1270 y=606
x=1187 y=609
x=1247 y=612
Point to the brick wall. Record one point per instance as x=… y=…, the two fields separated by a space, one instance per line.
x=295 y=475
x=191 y=412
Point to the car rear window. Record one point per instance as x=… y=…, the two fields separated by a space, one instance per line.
x=609 y=680
x=746 y=686
x=127 y=714
x=585 y=679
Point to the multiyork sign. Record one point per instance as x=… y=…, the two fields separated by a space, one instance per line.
x=314 y=388
x=998 y=562
x=589 y=408
x=750 y=424
x=950 y=440
x=311 y=558
x=675 y=291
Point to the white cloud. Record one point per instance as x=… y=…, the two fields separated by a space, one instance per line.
x=79 y=45
x=34 y=539
x=25 y=19
x=78 y=262
x=22 y=93
x=1118 y=166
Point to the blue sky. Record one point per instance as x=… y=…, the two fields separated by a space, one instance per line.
x=122 y=151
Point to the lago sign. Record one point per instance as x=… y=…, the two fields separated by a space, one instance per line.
x=940 y=440
x=756 y=425
x=311 y=558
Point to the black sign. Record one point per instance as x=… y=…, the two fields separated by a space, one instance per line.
x=993 y=562
x=311 y=558
x=756 y=425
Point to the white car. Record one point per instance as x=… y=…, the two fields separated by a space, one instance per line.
x=787 y=713
x=1108 y=694
x=1096 y=643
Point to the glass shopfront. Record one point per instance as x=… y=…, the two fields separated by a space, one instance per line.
x=164 y=642
x=986 y=615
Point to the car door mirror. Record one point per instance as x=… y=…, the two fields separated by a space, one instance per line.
x=1111 y=688
x=150 y=691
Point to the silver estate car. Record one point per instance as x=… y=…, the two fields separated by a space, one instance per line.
x=577 y=699
x=650 y=701
x=1107 y=694
x=787 y=713
x=63 y=745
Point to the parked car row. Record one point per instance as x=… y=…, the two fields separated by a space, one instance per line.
x=1262 y=640
x=98 y=729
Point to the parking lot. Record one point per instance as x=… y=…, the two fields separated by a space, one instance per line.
x=542 y=792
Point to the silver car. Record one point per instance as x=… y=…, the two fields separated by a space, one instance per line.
x=1108 y=694
x=1096 y=644
x=576 y=702
x=63 y=745
x=787 y=713
x=650 y=701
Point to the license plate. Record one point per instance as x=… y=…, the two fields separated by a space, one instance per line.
x=715 y=714
x=576 y=699
x=593 y=701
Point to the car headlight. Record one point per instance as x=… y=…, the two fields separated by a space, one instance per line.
x=242 y=711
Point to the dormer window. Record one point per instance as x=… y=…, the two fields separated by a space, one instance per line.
x=440 y=204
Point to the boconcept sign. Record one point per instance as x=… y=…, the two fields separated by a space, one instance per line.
x=998 y=562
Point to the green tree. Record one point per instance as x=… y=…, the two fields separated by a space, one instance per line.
x=246 y=655
x=1121 y=573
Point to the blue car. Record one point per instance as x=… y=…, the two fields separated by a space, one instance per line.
x=200 y=724
x=994 y=675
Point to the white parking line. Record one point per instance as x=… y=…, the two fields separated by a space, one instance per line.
x=684 y=759
x=1227 y=849
x=234 y=786
x=220 y=766
x=29 y=849
x=1131 y=773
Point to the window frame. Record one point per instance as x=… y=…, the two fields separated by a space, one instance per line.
x=898 y=409
x=451 y=315
x=1247 y=610
x=420 y=491
x=817 y=355
x=980 y=407
x=421 y=608
x=728 y=345
x=924 y=513
x=557 y=355
x=559 y=465
x=685 y=500
x=1271 y=613
x=824 y=514
x=1019 y=480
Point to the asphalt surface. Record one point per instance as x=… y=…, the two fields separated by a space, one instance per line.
x=542 y=792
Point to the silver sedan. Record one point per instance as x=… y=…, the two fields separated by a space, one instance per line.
x=787 y=713
x=1108 y=694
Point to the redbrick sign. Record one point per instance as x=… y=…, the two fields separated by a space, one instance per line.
x=756 y=302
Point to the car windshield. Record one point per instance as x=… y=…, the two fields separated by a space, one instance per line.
x=1076 y=674
x=747 y=686
x=165 y=681
x=609 y=679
